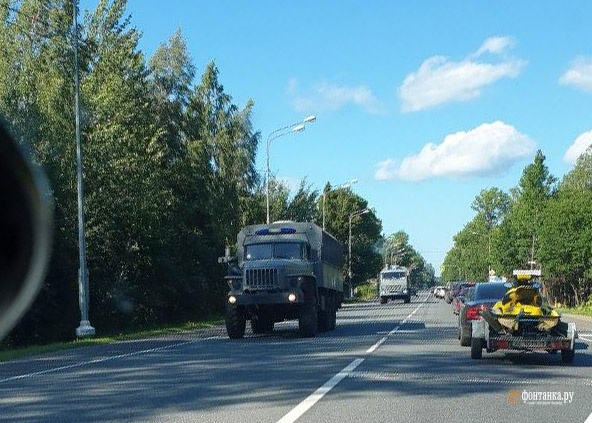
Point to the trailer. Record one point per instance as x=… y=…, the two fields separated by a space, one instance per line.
x=522 y=321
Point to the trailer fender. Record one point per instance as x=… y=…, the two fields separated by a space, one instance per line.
x=478 y=329
x=572 y=334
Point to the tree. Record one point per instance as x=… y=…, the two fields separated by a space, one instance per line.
x=516 y=243
x=566 y=237
x=36 y=97
x=397 y=250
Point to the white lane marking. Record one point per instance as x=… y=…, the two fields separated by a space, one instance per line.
x=312 y=399
x=98 y=360
x=297 y=412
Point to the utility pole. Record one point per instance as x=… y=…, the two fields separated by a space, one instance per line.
x=85 y=328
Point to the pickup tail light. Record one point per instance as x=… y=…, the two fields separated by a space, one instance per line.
x=473 y=311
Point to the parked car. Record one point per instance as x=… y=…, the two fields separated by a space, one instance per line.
x=459 y=299
x=483 y=296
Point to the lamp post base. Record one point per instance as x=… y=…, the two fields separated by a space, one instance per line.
x=85 y=329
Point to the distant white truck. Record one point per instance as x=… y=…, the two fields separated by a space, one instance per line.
x=393 y=284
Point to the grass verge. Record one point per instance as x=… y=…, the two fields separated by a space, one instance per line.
x=576 y=311
x=16 y=353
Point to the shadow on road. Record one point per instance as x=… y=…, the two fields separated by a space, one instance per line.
x=207 y=373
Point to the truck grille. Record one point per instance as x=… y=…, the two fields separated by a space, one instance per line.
x=262 y=278
x=391 y=289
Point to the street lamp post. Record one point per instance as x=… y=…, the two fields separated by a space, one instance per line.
x=342 y=186
x=280 y=132
x=349 y=270
x=85 y=328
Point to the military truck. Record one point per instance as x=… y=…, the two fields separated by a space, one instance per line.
x=393 y=283
x=282 y=271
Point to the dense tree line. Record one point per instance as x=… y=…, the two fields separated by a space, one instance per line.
x=542 y=222
x=169 y=170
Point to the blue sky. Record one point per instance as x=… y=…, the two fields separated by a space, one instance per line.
x=424 y=102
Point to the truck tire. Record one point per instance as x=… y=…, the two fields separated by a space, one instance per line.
x=567 y=356
x=407 y=299
x=307 y=317
x=333 y=318
x=325 y=315
x=476 y=348
x=262 y=323
x=235 y=322
x=383 y=300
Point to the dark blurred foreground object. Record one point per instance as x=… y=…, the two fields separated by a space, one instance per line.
x=25 y=229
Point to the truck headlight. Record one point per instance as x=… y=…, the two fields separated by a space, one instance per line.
x=232 y=299
x=292 y=297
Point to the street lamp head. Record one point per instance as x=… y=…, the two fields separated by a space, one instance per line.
x=298 y=128
x=310 y=119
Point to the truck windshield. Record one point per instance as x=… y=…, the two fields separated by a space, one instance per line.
x=393 y=275
x=283 y=250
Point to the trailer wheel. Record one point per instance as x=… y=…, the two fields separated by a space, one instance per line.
x=308 y=315
x=235 y=322
x=567 y=356
x=383 y=300
x=476 y=348
x=407 y=299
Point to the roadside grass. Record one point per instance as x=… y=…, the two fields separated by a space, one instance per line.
x=365 y=292
x=7 y=354
x=578 y=311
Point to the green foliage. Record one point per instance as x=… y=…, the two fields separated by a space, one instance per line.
x=549 y=224
x=169 y=171
x=396 y=249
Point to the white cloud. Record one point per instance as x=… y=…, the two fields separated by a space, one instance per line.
x=329 y=97
x=440 y=80
x=495 y=45
x=485 y=150
x=579 y=74
x=579 y=146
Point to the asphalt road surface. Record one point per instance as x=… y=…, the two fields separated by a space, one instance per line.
x=383 y=363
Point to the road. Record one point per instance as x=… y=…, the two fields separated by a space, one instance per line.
x=383 y=363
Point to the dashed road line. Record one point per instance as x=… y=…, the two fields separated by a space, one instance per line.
x=297 y=412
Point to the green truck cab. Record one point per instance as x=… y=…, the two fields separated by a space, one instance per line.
x=282 y=271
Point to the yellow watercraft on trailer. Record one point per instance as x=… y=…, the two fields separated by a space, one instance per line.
x=523 y=304
x=523 y=320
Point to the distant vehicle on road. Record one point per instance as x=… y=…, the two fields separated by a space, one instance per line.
x=459 y=299
x=439 y=292
x=284 y=270
x=483 y=296
x=393 y=284
x=453 y=290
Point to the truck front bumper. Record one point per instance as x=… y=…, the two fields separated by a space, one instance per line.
x=294 y=296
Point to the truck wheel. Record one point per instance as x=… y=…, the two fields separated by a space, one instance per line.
x=235 y=322
x=325 y=315
x=333 y=318
x=567 y=356
x=308 y=318
x=383 y=300
x=476 y=348
x=465 y=341
x=262 y=323
x=407 y=299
